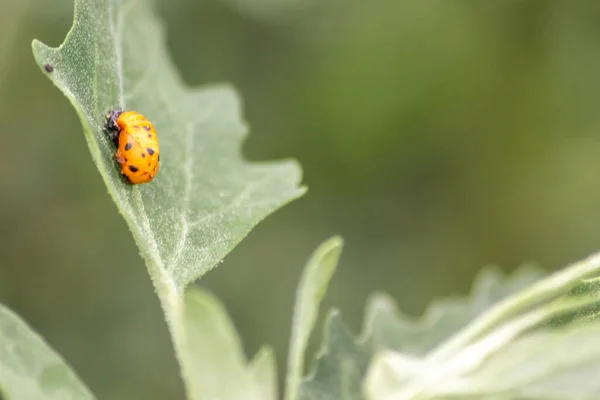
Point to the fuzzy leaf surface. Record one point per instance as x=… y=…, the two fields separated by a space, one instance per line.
x=218 y=366
x=540 y=342
x=312 y=288
x=341 y=365
x=206 y=197
x=30 y=369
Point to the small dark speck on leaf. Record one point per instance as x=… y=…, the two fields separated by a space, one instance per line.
x=48 y=68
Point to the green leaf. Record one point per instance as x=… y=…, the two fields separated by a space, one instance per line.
x=589 y=287
x=206 y=197
x=394 y=330
x=554 y=364
x=462 y=375
x=538 y=343
x=219 y=368
x=340 y=365
x=556 y=285
x=311 y=290
x=263 y=368
x=343 y=360
x=30 y=369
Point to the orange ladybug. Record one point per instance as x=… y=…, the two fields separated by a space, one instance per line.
x=137 y=145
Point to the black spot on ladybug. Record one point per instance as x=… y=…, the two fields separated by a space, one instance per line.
x=150 y=151
x=49 y=67
x=147 y=127
x=133 y=168
x=128 y=146
x=143 y=155
x=149 y=135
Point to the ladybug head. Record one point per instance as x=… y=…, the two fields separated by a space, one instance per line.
x=111 y=127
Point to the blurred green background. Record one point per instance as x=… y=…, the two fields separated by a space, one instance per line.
x=436 y=137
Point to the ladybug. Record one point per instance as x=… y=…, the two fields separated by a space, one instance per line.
x=137 y=145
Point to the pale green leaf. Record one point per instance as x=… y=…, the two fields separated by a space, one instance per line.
x=391 y=329
x=342 y=363
x=538 y=343
x=553 y=364
x=339 y=366
x=206 y=197
x=219 y=369
x=547 y=289
x=388 y=377
x=30 y=369
x=311 y=290
x=589 y=287
x=263 y=369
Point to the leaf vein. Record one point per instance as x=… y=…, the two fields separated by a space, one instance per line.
x=153 y=244
x=174 y=261
x=187 y=189
x=116 y=29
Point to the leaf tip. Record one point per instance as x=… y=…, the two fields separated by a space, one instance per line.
x=265 y=352
x=326 y=258
x=43 y=56
x=35 y=45
x=38 y=49
x=302 y=189
x=380 y=302
x=291 y=167
x=333 y=243
x=263 y=369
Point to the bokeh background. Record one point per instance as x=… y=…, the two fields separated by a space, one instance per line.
x=436 y=137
